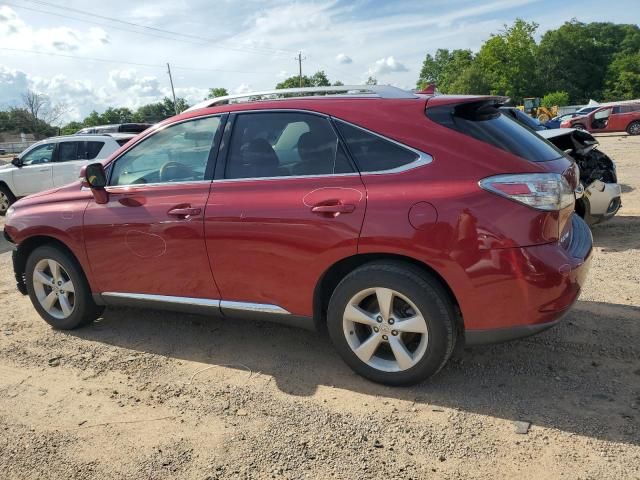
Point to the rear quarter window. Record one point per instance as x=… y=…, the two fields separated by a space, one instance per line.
x=93 y=149
x=484 y=122
x=373 y=153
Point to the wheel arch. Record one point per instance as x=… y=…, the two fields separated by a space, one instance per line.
x=330 y=279
x=8 y=187
x=27 y=246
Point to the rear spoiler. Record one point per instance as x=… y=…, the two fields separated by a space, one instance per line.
x=471 y=107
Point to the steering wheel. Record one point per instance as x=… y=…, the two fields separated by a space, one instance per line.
x=172 y=171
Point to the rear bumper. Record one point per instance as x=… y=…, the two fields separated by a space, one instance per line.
x=545 y=282
x=602 y=200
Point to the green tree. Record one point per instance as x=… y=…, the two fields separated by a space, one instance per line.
x=508 y=61
x=623 y=81
x=318 y=79
x=71 y=128
x=338 y=83
x=371 y=81
x=555 y=98
x=217 y=92
x=577 y=58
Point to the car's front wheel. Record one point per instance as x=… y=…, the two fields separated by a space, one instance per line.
x=392 y=323
x=58 y=289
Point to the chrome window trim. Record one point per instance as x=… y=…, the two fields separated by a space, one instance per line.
x=136 y=186
x=423 y=158
x=201 y=302
x=253 y=307
x=287 y=177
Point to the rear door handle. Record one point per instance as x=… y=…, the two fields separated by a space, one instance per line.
x=334 y=209
x=184 y=211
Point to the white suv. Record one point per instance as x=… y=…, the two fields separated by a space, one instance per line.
x=53 y=162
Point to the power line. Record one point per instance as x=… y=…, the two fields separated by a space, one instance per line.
x=117 y=62
x=251 y=50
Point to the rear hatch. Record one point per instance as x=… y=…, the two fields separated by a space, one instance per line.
x=481 y=119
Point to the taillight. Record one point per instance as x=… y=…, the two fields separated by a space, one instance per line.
x=544 y=191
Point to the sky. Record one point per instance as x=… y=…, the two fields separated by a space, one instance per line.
x=92 y=55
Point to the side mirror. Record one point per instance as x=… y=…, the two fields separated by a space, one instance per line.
x=16 y=162
x=95 y=177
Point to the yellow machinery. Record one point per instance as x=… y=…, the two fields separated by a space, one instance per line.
x=532 y=107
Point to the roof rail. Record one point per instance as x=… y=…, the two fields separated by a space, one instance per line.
x=378 y=91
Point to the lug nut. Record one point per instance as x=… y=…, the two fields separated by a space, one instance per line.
x=394 y=332
x=376 y=329
x=379 y=319
x=391 y=321
x=384 y=337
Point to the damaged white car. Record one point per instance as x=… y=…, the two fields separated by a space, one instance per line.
x=602 y=194
x=601 y=198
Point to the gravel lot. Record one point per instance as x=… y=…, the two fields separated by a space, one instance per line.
x=154 y=395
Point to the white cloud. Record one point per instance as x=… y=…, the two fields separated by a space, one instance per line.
x=387 y=65
x=243 y=88
x=344 y=59
x=13 y=84
x=129 y=80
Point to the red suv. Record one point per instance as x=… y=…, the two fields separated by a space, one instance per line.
x=403 y=223
x=624 y=117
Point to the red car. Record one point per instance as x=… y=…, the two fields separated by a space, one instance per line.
x=403 y=223
x=610 y=118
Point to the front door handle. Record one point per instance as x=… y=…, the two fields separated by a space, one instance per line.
x=184 y=212
x=335 y=209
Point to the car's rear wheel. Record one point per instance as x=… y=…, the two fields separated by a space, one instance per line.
x=579 y=126
x=392 y=323
x=58 y=289
x=6 y=199
x=634 y=128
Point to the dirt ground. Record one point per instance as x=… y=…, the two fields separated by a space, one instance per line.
x=152 y=395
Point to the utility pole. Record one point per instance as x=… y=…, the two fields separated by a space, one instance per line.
x=173 y=92
x=300 y=59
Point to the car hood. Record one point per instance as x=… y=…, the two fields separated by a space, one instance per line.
x=7 y=167
x=554 y=132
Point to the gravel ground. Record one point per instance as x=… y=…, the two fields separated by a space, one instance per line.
x=154 y=395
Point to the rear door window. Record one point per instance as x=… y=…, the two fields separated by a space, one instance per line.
x=68 y=151
x=484 y=122
x=92 y=150
x=373 y=153
x=284 y=144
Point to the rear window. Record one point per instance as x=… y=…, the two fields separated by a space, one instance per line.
x=122 y=141
x=484 y=122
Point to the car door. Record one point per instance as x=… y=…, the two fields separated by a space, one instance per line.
x=68 y=160
x=600 y=120
x=35 y=173
x=147 y=241
x=286 y=204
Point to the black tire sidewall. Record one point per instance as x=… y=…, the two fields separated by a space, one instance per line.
x=85 y=310
x=9 y=195
x=424 y=291
x=631 y=125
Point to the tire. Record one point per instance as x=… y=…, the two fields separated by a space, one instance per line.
x=70 y=283
x=579 y=126
x=415 y=295
x=633 y=128
x=6 y=199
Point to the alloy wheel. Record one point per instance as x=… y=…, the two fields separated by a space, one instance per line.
x=385 y=329
x=53 y=288
x=634 y=128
